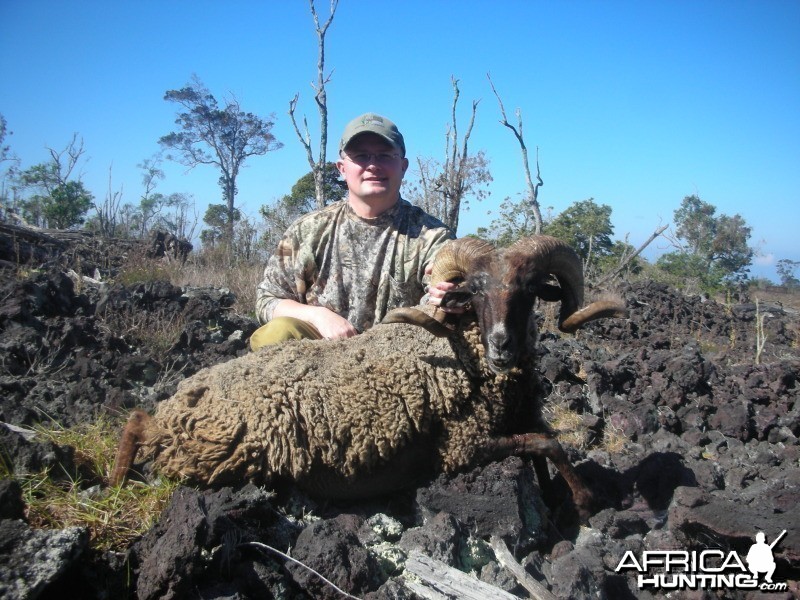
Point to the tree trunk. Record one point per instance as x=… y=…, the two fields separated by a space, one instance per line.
x=533 y=190
x=321 y=98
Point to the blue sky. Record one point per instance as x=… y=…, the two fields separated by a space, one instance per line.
x=634 y=104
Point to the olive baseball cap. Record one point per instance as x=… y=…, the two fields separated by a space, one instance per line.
x=372 y=123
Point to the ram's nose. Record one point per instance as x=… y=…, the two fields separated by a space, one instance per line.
x=500 y=351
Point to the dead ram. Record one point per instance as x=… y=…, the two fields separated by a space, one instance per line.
x=423 y=392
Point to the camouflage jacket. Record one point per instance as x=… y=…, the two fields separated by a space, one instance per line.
x=358 y=268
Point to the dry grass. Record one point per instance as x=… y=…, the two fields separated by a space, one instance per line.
x=614 y=439
x=568 y=425
x=140 y=269
x=157 y=331
x=114 y=516
x=572 y=431
x=549 y=312
x=789 y=298
x=204 y=270
x=241 y=279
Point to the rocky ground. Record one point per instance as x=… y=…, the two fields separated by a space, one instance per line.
x=687 y=430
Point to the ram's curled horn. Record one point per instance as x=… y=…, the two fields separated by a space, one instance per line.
x=552 y=256
x=602 y=309
x=557 y=258
x=458 y=258
x=452 y=263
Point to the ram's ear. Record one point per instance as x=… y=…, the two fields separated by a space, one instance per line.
x=457 y=298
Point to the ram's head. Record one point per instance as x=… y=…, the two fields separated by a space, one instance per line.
x=501 y=287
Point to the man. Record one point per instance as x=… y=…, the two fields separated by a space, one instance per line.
x=339 y=270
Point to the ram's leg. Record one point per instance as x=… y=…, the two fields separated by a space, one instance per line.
x=544 y=445
x=132 y=437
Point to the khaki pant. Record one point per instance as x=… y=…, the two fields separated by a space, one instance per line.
x=282 y=329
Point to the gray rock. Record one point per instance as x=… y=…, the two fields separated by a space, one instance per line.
x=438 y=538
x=579 y=574
x=33 y=559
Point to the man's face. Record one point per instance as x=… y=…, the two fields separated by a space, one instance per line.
x=372 y=168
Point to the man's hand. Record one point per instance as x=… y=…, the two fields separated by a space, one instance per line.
x=330 y=325
x=437 y=292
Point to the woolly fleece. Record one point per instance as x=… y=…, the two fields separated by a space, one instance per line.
x=350 y=407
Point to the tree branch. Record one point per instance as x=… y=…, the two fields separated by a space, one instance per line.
x=321 y=99
x=305 y=141
x=507 y=560
x=73 y=151
x=441 y=581
x=628 y=260
x=533 y=190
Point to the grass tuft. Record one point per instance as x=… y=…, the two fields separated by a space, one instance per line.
x=114 y=516
x=155 y=331
x=614 y=438
x=568 y=425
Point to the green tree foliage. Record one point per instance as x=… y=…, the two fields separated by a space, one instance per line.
x=224 y=137
x=57 y=200
x=695 y=224
x=686 y=268
x=172 y=213
x=166 y=212
x=716 y=247
x=586 y=226
x=302 y=198
x=67 y=205
x=729 y=249
x=32 y=210
x=616 y=256
x=44 y=176
x=8 y=169
x=218 y=217
x=158 y=211
x=514 y=221
x=786 y=271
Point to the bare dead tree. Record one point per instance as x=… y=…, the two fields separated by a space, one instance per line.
x=56 y=173
x=454 y=181
x=54 y=176
x=446 y=187
x=67 y=159
x=626 y=260
x=321 y=98
x=533 y=189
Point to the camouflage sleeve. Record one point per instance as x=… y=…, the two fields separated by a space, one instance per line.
x=284 y=277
